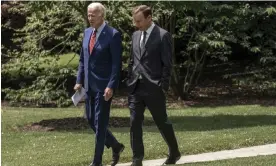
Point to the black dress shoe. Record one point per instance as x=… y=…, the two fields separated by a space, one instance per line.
x=173 y=158
x=137 y=163
x=116 y=152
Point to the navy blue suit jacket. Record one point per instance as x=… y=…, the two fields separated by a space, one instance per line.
x=102 y=68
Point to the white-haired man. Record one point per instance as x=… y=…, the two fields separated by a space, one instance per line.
x=99 y=70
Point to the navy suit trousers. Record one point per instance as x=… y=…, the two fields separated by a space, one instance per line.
x=97 y=113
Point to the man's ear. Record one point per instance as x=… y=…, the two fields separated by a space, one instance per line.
x=149 y=17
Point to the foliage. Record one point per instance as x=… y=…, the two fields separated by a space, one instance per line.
x=200 y=34
x=12 y=18
x=51 y=29
x=257 y=36
x=204 y=34
x=48 y=34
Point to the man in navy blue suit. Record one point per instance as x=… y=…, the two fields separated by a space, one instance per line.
x=99 y=69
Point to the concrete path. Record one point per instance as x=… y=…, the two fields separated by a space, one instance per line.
x=220 y=155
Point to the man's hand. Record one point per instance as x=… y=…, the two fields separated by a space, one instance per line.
x=77 y=87
x=108 y=93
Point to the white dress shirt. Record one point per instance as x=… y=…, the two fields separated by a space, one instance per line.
x=148 y=34
x=99 y=30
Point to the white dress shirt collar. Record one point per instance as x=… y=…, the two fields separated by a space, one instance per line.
x=150 y=28
x=99 y=30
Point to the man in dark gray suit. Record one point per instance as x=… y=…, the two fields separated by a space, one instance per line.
x=149 y=73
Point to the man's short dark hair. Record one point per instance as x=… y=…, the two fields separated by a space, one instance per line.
x=146 y=10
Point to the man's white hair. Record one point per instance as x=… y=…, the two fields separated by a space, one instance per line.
x=98 y=6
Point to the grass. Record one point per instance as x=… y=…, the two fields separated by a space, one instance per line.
x=70 y=60
x=65 y=60
x=198 y=130
x=269 y=160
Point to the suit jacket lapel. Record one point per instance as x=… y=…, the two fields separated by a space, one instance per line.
x=149 y=41
x=137 y=43
x=87 y=38
x=101 y=37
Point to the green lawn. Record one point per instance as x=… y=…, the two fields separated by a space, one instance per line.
x=65 y=60
x=198 y=130
x=249 y=161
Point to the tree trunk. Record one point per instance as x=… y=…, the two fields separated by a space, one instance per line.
x=175 y=85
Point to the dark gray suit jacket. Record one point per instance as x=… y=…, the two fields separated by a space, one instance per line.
x=154 y=63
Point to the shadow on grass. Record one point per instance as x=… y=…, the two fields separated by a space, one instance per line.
x=84 y=163
x=226 y=100
x=184 y=123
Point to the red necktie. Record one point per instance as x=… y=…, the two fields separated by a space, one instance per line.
x=92 y=41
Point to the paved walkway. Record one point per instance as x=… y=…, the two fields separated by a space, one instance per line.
x=220 y=155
